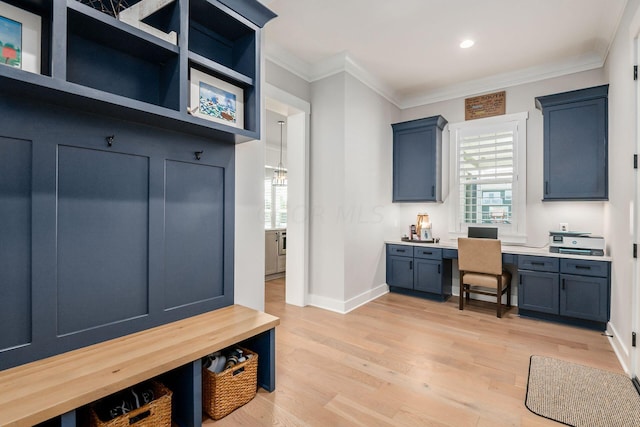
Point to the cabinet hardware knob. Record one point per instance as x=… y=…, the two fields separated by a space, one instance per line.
x=110 y=139
x=410 y=265
x=199 y=154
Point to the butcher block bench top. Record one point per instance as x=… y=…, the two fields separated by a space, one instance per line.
x=41 y=390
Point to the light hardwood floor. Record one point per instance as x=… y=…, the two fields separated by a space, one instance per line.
x=403 y=361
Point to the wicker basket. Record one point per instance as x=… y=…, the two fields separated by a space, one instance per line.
x=156 y=413
x=230 y=389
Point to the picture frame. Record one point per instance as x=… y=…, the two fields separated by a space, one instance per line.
x=20 y=38
x=213 y=99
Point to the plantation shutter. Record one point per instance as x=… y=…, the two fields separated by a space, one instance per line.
x=486 y=173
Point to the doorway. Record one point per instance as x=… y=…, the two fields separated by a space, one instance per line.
x=297 y=114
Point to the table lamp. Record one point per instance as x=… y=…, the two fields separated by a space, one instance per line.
x=423 y=227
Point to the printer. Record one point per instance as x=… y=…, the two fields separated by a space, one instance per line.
x=571 y=242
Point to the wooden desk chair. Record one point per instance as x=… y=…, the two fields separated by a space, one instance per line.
x=481 y=272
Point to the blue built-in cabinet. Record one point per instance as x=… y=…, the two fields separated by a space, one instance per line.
x=95 y=62
x=569 y=289
x=102 y=240
x=420 y=271
x=575 y=144
x=116 y=204
x=417 y=160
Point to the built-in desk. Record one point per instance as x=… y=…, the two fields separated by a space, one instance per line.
x=573 y=289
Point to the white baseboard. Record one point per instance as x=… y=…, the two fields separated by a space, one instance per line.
x=365 y=297
x=621 y=350
x=344 y=307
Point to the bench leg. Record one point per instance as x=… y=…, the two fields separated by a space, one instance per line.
x=265 y=345
x=186 y=384
x=68 y=419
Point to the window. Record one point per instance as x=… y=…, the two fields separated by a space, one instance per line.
x=275 y=203
x=489 y=175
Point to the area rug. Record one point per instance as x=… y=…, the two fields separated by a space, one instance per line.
x=581 y=396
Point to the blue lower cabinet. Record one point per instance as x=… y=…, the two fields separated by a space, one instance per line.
x=569 y=290
x=538 y=291
x=427 y=276
x=584 y=297
x=400 y=271
x=418 y=271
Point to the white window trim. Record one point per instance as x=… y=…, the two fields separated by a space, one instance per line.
x=516 y=232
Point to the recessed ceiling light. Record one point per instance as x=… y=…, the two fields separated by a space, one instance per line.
x=467 y=44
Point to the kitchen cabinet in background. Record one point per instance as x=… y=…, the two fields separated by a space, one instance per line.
x=274 y=261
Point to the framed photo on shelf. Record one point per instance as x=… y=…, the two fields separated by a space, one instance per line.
x=19 y=38
x=216 y=100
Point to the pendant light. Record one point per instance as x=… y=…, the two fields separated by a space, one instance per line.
x=280 y=174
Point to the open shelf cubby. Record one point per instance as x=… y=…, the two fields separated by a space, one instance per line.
x=111 y=57
x=228 y=42
x=95 y=61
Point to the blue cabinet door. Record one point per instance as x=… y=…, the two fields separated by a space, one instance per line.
x=584 y=297
x=400 y=271
x=538 y=291
x=417 y=146
x=575 y=144
x=427 y=276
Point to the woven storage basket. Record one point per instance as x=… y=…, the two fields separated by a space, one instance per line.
x=156 y=413
x=230 y=389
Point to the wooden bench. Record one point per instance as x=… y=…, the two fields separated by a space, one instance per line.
x=56 y=386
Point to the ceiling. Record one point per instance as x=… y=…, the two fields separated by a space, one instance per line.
x=408 y=50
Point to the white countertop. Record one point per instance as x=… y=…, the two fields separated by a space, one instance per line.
x=510 y=249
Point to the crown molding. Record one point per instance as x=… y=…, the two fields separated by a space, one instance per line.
x=343 y=62
x=505 y=80
x=335 y=64
x=285 y=59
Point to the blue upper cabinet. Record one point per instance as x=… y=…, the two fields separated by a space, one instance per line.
x=417 y=160
x=575 y=144
x=191 y=66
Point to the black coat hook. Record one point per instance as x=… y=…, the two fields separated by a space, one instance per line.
x=199 y=154
x=110 y=139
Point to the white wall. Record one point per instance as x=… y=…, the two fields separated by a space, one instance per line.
x=367 y=189
x=541 y=217
x=622 y=130
x=287 y=81
x=350 y=192
x=327 y=176
x=249 y=225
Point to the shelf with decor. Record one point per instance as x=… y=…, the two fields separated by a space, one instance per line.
x=92 y=60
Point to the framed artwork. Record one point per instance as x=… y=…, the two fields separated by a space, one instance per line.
x=216 y=100
x=19 y=38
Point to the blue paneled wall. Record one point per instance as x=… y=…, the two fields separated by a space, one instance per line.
x=99 y=240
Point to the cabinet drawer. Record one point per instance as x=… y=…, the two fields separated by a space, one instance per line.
x=400 y=250
x=584 y=267
x=538 y=263
x=427 y=253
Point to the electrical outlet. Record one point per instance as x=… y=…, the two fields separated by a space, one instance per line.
x=564 y=226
